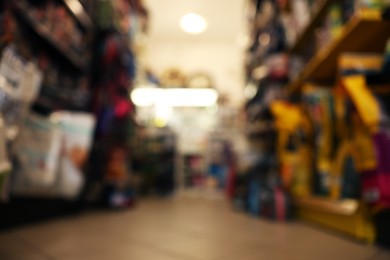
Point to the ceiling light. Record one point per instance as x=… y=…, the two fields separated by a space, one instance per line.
x=174 y=97
x=193 y=23
x=144 y=97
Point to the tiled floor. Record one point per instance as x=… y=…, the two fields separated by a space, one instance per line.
x=177 y=229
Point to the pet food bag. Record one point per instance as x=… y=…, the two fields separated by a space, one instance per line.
x=37 y=151
x=76 y=137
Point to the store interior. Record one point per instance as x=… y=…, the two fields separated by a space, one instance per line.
x=172 y=125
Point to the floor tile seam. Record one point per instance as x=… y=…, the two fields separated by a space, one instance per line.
x=166 y=251
x=35 y=248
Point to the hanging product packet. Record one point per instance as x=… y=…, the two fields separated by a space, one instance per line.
x=36 y=152
x=20 y=81
x=76 y=130
x=50 y=153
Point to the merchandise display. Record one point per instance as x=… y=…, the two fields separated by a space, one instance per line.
x=329 y=113
x=76 y=136
x=93 y=117
x=121 y=25
x=60 y=76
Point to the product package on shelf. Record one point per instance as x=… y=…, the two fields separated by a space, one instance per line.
x=293 y=150
x=369 y=8
x=345 y=180
x=50 y=153
x=37 y=153
x=265 y=197
x=20 y=82
x=76 y=136
x=376 y=183
x=374 y=151
x=320 y=104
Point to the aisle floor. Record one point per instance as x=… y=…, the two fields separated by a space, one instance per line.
x=178 y=229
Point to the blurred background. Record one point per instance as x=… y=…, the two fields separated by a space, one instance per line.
x=271 y=114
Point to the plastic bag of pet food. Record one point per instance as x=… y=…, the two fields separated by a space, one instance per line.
x=37 y=150
x=76 y=137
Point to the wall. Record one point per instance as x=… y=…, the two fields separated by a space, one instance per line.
x=215 y=51
x=223 y=61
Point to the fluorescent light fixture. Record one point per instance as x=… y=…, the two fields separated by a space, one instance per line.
x=193 y=23
x=145 y=97
x=174 y=97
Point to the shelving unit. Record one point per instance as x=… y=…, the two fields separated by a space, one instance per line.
x=322 y=67
x=335 y=28
x=34 y=40
x=303 y=37
x=77 y=10
x=72 y=57
x=346 y=216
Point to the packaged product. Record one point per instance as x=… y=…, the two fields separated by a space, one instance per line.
x=369 y=8
x=335 y=20
x=363 y=147
x=37 y=151
x=20 y=81
x=76 y=130
x=254 y=191
x=320 y=105
x=345 y=180
x=376 y=183
x=364 y=101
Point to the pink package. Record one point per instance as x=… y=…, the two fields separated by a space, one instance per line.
x=376 y=188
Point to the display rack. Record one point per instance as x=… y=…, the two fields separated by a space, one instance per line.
x=77 y=10
x=322 y=68
x=75 y=59
x=27 y=208
x=346 y=216
x=316 y=19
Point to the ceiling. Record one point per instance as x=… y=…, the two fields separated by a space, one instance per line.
x=224 y=19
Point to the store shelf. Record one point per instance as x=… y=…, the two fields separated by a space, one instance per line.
x=78 y=11
x=309 y=30
x=44 y=33
x=357 y=36
x=346 y=216
x=341 y=207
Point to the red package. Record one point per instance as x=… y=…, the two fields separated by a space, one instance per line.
x=376 y=188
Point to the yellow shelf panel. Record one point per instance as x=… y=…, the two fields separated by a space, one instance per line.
x=345 y=216
x=345 y=207
x=359 y=35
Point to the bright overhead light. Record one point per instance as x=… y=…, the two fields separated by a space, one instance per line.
x=193 y=23
x=145 y=97
x=174 y=97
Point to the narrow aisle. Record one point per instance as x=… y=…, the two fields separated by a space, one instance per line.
x=177 y=229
